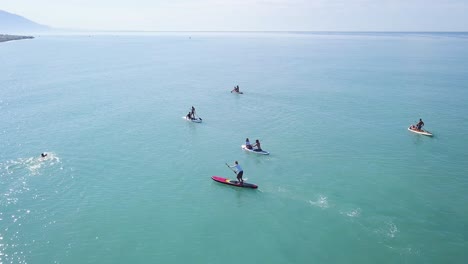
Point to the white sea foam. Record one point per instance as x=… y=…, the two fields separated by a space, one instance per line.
x=353 y=213
x=392 y=229
x=33 y=164
x=281 y=189
x=321 y=202
x=388 y=230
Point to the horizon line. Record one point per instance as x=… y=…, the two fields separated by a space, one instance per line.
x=259 y=31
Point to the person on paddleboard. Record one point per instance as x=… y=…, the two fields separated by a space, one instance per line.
x=236 y=89
x=247 y=144
x=193 y=112
x=257 y=145
x=420 y=124
x=239 y=171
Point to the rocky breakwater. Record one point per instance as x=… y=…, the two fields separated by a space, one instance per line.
x=4 y=38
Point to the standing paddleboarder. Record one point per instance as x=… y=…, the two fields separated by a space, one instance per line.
x=239 y=172
x=193 y=112
x=420 y=124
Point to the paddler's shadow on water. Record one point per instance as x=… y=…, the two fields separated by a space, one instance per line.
x=420 y=139
x=244 y=195
x=192 y=127
x=262 y=160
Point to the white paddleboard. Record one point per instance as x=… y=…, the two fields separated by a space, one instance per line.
x=263 y=152
x=421 y=132
x=196 y=120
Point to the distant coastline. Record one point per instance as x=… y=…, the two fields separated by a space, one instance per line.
x=4 y=38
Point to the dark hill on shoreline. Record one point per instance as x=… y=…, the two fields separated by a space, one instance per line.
x=15 y=24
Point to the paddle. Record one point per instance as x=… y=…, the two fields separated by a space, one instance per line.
x=231 y=169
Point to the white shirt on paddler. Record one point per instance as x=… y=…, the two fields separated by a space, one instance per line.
x=238 y=168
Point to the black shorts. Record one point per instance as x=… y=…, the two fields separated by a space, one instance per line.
x=239 y=174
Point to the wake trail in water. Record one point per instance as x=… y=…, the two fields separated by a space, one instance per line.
x=15 y=207
x=31 y=164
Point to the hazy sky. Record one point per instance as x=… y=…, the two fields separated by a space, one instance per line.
x=334 y=15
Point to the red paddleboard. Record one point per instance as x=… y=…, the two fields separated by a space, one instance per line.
x=233 y=182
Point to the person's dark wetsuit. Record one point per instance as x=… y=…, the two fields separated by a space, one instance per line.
x=420 y=124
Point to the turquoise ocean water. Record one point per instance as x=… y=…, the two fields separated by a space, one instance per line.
x=128 y=180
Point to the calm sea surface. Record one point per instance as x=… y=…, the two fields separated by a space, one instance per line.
x=127 y=179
